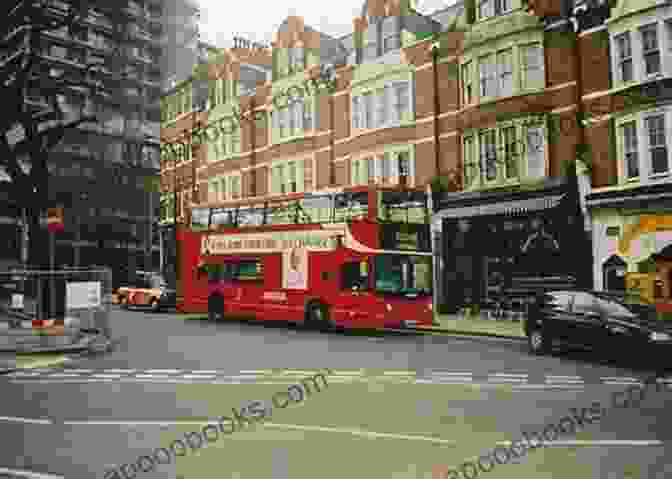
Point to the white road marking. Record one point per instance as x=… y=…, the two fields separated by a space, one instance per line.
x=81 y=371
x=359 y=432
x=454 y=380
x=507 y=375
x=564 y=381
x=22 y=374
x=609 y=378
x=163 y=371
x=199 y=376
x=122 y=371
x=622 y=383
x=598 y=443
x=63 y=375
x=562 y=377
x=25 y=420
x=29 y=474
x=110 y=376
x=506 y=380
x=577 y=387
x=152 y=376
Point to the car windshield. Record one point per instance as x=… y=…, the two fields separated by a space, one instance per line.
x=402 y=274
x=614 y=307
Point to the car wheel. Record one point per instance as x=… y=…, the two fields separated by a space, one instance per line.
x=317 y=315
x=154 y=305
x=538 y=341
x=215 y=308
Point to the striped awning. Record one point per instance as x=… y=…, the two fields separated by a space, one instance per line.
x=503 y=207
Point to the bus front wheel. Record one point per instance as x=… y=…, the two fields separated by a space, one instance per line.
x=215 y=308
x=317 y=315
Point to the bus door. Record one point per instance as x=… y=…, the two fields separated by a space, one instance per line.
x=221 y=282
x=249 y=287
x=355 y=298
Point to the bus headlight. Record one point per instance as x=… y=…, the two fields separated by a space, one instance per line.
x=388 y=307
x=430 y=306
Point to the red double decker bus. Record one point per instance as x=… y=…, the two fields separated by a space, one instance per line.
x=357 y=258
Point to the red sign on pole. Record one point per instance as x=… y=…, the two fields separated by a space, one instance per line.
x=55 y=219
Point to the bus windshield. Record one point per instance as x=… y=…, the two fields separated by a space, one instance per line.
x=404 y=275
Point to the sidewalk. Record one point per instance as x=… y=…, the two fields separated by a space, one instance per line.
x=478 y=326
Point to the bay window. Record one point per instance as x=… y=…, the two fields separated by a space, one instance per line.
x=503 y=154
x=383 y=168
x=293 y=120
x=287 y=177
x=643 y=51
x=643 y=145
x=383 y=107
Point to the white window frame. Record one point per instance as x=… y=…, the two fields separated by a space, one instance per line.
x=524 y=76
x=640 y=30
x=468 y=83
x=626 y=148
x=505 y=73
x=649 y=147
x=473 y=153
x=487 y=75
x=622 y=59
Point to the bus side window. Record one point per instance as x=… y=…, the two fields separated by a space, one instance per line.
x=351 y=277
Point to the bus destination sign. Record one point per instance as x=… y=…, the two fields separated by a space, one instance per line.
x=269 y=242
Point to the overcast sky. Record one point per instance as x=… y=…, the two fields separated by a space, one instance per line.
x=260 y=19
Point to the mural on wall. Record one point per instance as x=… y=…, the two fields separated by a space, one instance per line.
x=637 y=261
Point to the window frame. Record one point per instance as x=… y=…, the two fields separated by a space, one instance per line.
x=524 y=75
x=621 y=59
x=647 y=117
x=657 y=51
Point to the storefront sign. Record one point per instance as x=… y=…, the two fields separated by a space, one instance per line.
x=269 y=242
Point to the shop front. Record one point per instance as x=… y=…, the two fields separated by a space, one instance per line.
x=497 y=249
x=632 y=240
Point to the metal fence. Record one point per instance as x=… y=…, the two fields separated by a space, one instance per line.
x=52 y=308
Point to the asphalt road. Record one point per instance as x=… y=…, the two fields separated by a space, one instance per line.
x=397 y=406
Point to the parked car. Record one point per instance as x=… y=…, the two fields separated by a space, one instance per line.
x=147 y=290
x=607 y=322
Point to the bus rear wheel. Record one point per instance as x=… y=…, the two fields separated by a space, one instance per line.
x=215 y=308
x=317 y=316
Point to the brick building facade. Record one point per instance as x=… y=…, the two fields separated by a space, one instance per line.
x=483 y=96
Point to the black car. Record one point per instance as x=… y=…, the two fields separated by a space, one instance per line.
x=601 y=321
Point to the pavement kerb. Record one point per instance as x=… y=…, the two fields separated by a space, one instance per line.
x=457 y=332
